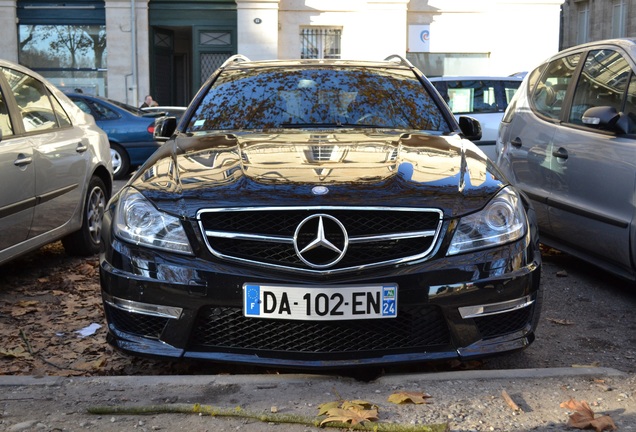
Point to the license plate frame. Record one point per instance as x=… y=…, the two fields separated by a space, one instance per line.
x=320 y=303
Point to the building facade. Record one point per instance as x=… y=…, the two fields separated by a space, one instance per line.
x=590 y=20
x=125 y=49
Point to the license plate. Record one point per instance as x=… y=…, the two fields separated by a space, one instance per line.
x=324 y=303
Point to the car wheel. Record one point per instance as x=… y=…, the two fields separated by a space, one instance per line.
x=121 y=162
x=86 y=241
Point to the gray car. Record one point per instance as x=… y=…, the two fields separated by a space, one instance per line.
x=568 y=140
x=56 y=172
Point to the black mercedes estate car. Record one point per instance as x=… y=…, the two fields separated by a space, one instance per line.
x=319 y=214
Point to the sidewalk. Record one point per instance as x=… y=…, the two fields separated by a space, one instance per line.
x=466 y=401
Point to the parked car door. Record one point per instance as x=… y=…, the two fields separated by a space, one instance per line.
x=593 y=195
x=529 y=159
x=59 y=153
x=16 y=175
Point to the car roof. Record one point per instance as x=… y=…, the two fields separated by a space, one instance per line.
x=164 y=107
x=628 y=44
x=239 y=62
x=24 y=69
x=475 y=78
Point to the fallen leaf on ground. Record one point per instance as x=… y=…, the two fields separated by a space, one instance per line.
x=18 y=352
x=593 y=364
x=358 y=405
x=409 y=397
x=325 y=407
x=349 y=416
x=583 y=417
x=560 y=321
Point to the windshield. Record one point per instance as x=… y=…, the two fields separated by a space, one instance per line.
x=129 y=108
x=292 y=97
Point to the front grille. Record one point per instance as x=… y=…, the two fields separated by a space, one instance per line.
x=373 y=236
x=416 y=329
x=135 y=323
x=504 y=323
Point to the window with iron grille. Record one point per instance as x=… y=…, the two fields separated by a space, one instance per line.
x=320 y=43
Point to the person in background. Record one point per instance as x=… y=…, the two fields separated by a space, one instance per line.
x=148 y=102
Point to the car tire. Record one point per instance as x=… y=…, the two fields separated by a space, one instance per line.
x=120 y=160
x=87 y=239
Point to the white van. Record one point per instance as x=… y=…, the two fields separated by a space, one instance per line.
x=482 y=97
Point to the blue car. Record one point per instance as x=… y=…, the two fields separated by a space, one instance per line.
x=129 y=130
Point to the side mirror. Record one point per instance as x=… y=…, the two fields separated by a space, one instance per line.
x=164 y=128
x=601 y=117
x=470 y=127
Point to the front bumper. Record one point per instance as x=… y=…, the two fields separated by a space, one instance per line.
x=461 y=307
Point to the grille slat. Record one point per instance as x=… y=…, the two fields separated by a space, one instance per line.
x=137 y=324
x=501 y=324
x=376 y=236
x=416 y=328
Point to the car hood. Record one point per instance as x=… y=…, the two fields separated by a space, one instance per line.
x=301 y=168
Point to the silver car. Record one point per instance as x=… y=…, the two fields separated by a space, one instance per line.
x=568 y=140
x=56 y=172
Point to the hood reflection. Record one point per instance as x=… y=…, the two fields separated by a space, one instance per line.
x=325 y=158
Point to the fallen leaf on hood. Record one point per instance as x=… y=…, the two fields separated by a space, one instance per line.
x=583 y=417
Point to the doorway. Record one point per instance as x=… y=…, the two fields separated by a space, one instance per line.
x=170 y=76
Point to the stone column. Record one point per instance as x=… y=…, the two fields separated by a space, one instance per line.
x=8 y=31
x=128 y=76
x=257 y=24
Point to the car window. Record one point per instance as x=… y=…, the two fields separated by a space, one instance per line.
x=103 y=112
x=5 y=121
x=33 y=101
x=533 y=77
x=82 y=105
x=547 y=97
x=129 y=108
x=509 y=89
x=630 y=105
x=603 y=82
x=62 y=118
x=310 y=97
x=472 y=96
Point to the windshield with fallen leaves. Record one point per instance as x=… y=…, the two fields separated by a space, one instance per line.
x=317 y=97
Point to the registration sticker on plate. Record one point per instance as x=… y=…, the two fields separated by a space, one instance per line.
x=322 y=303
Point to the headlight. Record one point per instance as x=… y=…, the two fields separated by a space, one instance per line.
x=503 y=220
x=139 y=222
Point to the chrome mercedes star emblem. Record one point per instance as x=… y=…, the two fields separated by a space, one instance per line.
x=320 y=241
